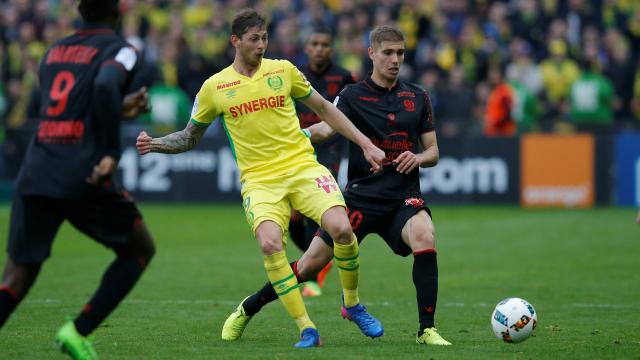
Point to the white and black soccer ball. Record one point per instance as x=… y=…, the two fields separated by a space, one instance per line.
x=513 y=320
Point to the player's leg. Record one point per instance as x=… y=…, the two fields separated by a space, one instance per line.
x=16 y=282
x=118 y=279
x=267 y=209
x=317 y=256
x=112 y=219
x=270 y=237
x=319 y=198
x=346 y=253
x=312 y=261
x=33 y=225
x=418 y=233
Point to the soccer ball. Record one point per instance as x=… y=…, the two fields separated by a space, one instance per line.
x=513 y=320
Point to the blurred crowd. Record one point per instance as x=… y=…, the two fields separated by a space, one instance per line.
x=492 y=68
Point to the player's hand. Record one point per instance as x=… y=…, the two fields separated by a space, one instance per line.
x=103 y=170
x=406 y=162
x=143 y=143
x=375 y=156
x=136 y=103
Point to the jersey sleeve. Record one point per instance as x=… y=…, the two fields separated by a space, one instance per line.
x=125 y=57
x=426 y=123
x=342 y=103
x=300 y=87
x=205 y=109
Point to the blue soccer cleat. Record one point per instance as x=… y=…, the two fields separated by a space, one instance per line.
x=308 y=339
x=369 y=325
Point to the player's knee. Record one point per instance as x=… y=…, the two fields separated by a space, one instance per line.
x=425 y=239
x=269 y=236
x=340 y=232
x=269 y=244
x=140 y=247
x=19 y=279
x=147 y=252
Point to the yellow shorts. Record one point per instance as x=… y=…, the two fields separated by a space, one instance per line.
x=309 y=188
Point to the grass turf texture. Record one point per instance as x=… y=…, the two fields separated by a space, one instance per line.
x=577 y=267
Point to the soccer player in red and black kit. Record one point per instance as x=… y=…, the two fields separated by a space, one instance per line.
x=397 y=117
x=328 y=79
x=67 y=173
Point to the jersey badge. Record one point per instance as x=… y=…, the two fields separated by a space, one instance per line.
x=275 y=82
x=231 y=93
x=327 y=183
x=127 y=57
x=409 y=105
x=415 y=202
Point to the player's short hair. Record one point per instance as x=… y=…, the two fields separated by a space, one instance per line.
x=246 y=19
x=320 y=30
x=94 y=11
x=384 y=33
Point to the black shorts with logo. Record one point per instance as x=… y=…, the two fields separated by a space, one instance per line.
x=385 y=217
x=106 y=215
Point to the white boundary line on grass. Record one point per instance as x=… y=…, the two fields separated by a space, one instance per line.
x=308 y=303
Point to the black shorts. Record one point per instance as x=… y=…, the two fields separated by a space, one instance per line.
x=385 y=217
x=105 y=215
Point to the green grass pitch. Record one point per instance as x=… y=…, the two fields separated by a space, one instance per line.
x=579 y=269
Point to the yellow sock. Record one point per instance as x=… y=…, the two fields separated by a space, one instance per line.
x=348 y=262
x=285 y=283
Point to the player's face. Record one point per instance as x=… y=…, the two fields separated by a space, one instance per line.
x=318 y=48
x=252 y=45
x=387 y=58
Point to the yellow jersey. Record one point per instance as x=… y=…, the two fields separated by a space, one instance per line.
x=259 y=116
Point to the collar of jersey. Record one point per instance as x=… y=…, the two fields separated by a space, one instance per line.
x=94 y=27
x=326 y=70
x=369 y=81
x=254 y=77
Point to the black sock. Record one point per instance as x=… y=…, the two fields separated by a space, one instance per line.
x=120 y=277
x=425 y=279
x=267 y=294
x=8 y=302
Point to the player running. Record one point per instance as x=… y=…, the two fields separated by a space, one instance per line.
x=328 y=79
x=67 y=173
x=397 y=117
x=254 y=98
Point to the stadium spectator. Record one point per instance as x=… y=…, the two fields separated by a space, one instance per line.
x=466 y=33
x=388 y=203
x=169 y=108
x=328 y=79
x=455 y=105
x=525 y=109
x=254 y=97
x=67 y=173
x=619 y=72
x=523 y=69
x=558 y=73
x=591 y=100
x=498 y=119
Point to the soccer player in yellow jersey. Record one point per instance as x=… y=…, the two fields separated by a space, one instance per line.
x=254 y=99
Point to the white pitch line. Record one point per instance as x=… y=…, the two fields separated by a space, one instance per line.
x=311 y=303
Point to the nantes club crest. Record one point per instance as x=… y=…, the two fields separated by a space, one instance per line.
x=275 y=82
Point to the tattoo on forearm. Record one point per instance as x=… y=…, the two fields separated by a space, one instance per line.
x=180 y=141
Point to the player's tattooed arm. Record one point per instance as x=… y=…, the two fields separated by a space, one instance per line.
x=174 y=143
